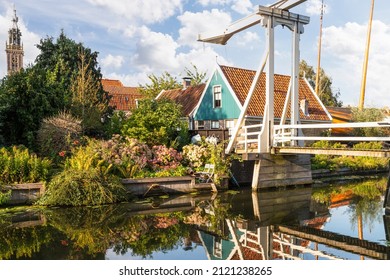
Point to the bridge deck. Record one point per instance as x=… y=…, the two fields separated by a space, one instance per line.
x=331 y=151
x=252 y=154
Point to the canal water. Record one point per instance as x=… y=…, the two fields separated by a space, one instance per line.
x=338 y=221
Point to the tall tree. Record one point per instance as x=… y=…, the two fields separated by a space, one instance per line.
x=60 y=59
x=89 y=103
x=326 y=94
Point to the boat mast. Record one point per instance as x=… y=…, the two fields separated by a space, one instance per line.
x=317 y=89
x=365 y=64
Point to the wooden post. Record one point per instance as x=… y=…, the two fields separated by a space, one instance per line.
x=256 y=175
x=386 y=203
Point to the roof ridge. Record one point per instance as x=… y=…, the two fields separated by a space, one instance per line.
x=251 y=70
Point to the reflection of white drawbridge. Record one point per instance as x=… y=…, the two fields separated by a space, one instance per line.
x=284 y=225
x=262 y=142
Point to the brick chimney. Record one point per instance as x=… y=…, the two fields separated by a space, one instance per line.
x=186 y=82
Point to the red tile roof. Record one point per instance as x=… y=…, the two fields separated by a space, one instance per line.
x=188 y=98
x=241 y=80
x=122 y=98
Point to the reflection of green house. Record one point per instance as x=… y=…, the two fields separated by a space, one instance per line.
x=225 y=93
x=216 y=247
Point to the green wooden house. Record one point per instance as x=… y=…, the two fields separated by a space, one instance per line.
x=226 y=90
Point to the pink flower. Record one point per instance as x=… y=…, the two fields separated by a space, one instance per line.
x=62 y=153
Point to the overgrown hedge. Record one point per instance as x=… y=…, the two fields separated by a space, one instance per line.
x=354 y=163
x=83 y=187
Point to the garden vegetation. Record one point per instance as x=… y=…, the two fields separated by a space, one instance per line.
x=60 y=130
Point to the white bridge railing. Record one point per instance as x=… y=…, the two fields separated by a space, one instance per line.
x=249 y=138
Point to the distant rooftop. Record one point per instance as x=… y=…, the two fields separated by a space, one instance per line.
x=122 y=98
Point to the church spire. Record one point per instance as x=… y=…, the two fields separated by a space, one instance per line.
x=14 y=47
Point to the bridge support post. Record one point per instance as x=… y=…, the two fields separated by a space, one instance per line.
x=386 y=203
x=281 y=171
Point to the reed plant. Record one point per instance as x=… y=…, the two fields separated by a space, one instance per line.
x=18 y=165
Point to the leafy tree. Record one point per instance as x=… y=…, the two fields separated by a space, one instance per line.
x=369 y=115
x=197 y=77
x=25 y=99
x=157 y=84
x=157 y=123
x=166 y=81
x=326 y=94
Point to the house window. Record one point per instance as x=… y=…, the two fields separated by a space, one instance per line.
x=214 y=124
x=217 y=247
x=200 y=124
x=229 y=124
x=217 y=92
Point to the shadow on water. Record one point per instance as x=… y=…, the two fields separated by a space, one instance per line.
x=298 y=223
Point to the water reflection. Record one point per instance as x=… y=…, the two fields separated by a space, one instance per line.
x=341 y=222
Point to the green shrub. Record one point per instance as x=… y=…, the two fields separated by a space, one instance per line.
x=83 y=187
x=18 y=165
x=368 y=146
x=4 y=196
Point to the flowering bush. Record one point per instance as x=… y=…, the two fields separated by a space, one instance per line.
x=196 y=155
x=126 y=157
x=164 y=158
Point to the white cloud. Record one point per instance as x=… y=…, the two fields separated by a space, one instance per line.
x=239 y=6
x=243 y=6
x=130 y=80
x=111 y=61
x=345 y=45
x=158 y=52
x=203 y=59
x=148 y=11
x=213 y=2
x=155 y=50
x=313 y=7
x=202 y=22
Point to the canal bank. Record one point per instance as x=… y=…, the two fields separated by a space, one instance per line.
x=294 y=223
x=27 y=194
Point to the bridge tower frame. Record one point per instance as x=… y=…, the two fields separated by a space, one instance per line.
x=269 y=17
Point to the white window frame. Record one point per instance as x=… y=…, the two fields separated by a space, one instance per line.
x=217 y=96
x=230 y=124
x=215 y=126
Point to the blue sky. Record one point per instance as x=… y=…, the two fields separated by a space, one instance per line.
x=135 y=38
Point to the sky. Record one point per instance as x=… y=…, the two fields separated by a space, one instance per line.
x=137 y=38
